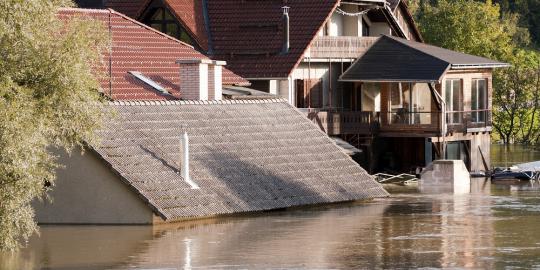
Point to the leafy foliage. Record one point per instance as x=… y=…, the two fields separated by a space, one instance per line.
x=48 y=99
x=468 y=26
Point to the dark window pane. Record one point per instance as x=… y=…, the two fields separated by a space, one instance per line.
x=171 y=29
x=158 y=15
x=185 y=37
x=156 y=26
x=168 y=16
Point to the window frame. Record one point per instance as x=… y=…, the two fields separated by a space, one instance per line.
x=181 y=33
x=450 y=108
x=475 y=112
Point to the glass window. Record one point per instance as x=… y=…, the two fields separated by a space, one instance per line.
x=365 y=28
x=453 y=98
x=478 y=100
x=162 y=20
x=410 y=103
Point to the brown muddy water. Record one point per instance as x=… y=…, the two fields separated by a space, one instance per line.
x=492 y=227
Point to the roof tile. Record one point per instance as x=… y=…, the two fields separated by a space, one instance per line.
x=137 y=47
x=244 y=156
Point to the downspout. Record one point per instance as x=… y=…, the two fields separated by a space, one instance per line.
x=110 y=54
x=207 y=26
x=443 y=119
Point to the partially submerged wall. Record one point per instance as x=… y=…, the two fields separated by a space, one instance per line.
x=87 y=191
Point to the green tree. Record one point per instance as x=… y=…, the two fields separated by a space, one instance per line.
x=48 y=99
x=516 y=96
x=469 y=26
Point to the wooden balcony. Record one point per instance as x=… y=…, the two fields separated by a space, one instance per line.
x=340 y=47
x=343 y=122
x=406 y=124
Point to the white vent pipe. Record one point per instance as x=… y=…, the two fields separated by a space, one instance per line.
x=185 y=162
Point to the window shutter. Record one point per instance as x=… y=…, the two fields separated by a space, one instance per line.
x=300 y=94
x=315 y=93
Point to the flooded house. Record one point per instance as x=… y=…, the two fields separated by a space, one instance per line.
x=174 y=148
x=356 y=68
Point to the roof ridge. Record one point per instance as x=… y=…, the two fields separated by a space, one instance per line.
x=150 y=28
x=85 y=10
x=194 y=102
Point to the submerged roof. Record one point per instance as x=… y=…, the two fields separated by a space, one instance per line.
x=244 y=155
x=396 y=59
x=139 y=48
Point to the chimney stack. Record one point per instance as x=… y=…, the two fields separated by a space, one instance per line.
x=200 y=79
x=285 y=21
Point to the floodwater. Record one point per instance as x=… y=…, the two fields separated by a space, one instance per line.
x=507 y=155
x=493 y=226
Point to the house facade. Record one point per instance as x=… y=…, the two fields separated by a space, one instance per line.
x=301 y=50
x=173 y=148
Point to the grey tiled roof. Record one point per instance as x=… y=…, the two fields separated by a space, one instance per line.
x=246 y=155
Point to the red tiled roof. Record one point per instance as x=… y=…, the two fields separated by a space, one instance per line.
x=130 y=8
x=248 y=34
x=136 y=47
x=188 y=12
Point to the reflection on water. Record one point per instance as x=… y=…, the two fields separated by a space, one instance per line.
x=491 y=227
x=508 y=155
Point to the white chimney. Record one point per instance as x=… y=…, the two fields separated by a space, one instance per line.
x=215 y=80
x=185 y=162
x=200 y=79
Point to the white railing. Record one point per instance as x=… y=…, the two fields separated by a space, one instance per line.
x=340 y=47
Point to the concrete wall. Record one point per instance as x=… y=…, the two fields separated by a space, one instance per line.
x=88 y=192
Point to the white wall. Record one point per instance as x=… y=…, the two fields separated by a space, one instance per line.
x=350 y=23
x=88 y=192
x=377 y=29
x=335 y=25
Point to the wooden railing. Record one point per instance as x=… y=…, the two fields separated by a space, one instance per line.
x=340 y=47
x=335 y=122
x=463 y=121
x=411 y=122
x=342 y=122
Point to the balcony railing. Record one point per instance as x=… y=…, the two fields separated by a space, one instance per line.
x=336 y=122
x=340 y=47
x=463 y=121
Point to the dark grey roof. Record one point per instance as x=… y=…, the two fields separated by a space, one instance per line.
x=245 y=156
x=396 y=59
x=239 y=92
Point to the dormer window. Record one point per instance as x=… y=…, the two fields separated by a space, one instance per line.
x=162 y=20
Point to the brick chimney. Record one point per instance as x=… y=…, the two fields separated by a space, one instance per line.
x=200 y=79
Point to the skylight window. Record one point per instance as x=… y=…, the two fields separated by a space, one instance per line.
x=148 y=81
